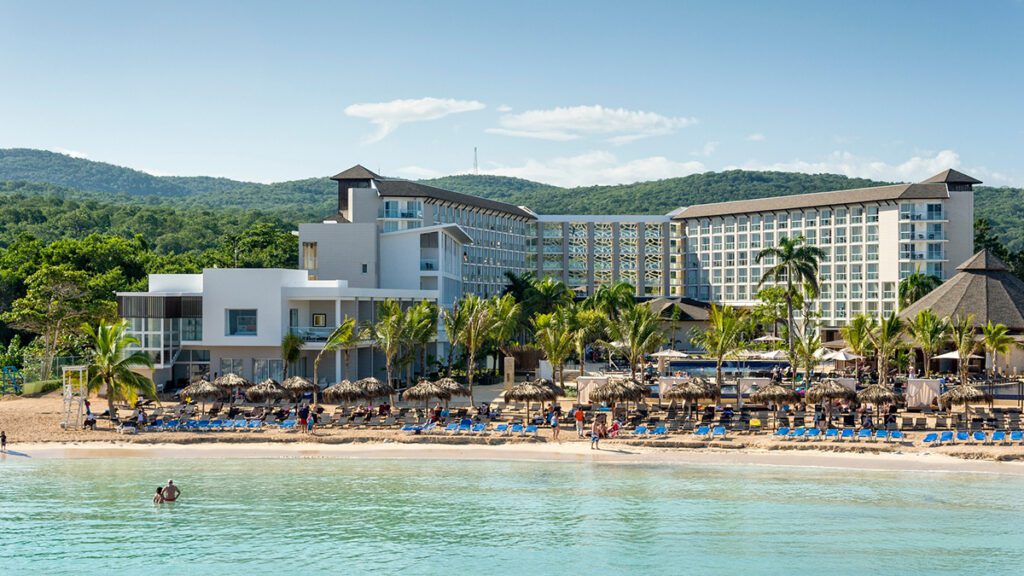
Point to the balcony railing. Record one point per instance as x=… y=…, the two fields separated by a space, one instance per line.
x=922 y=235
x=922 y=216
x=922 y=256
x=428 y=264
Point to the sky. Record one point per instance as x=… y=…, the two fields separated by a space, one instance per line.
x=567 y=93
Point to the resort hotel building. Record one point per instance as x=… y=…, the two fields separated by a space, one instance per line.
x=397 y=239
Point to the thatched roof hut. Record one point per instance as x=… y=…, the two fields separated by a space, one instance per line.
x=690 y=391
x=964 y=394
x=425 y=390
x=343 y=391
x=203 y=391
x=298 y=385
x=878 y=394
x=265 y=391
x=828 y=390
x=373 y=388
x=231 y=380
x=775 y=393
x=453 y=387
x=619 y=390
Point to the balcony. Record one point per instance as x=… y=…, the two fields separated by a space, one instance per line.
x=915 y=256
x=312 y=333
x=428 y=265
x=926 y=216
x=913 y=235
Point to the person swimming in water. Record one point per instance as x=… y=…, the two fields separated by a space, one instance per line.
x=170 y=492
x=158 y=498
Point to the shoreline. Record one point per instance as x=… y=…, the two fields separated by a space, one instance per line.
x=576 y=452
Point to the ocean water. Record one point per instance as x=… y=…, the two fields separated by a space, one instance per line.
x=347 y=516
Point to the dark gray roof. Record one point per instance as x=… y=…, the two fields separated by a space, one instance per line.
x=336 y=217
x=839 y=197
x=357 y=172
x=387 y=187
x=952 y=177
x=983 y=287
x=691 y=309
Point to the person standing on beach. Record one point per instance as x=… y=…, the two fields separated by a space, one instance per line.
x=303 y=415
x=554 y=426
x=3 y=442
x=578 y=416
x=595 y=435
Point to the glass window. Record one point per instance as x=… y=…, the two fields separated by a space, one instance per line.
x=240 y=323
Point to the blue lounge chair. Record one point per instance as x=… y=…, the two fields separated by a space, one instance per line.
x=516 y=429
x=1017 y=436
x=812 y=434
x=782 y=431
x=702 y=431
x=204 y=425
x=896 y=436
x=980 y=436
x=452 y=428
x=846 y=434
x=155 y=425
x=532 y=429
x=465 y=425
x=930 y=439
x=832 y=434
x=478 y=428
x=962 y=437
x=882 y=435
x=256 y=425
x=999 y=436
x=659 y=431
x=216 y=424
x=501 y=428
x=865 y=433
x=718 y=432
x=946 y=437
x=797 y=433
x=640 y=431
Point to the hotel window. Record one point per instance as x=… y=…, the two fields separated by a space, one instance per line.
x=263 y=368
x=872 y=214
x=730 y=242
x=796 y=219
x=742 y=257
x=826 y=309
x=811 y=218
x=729 y=294
x=716 y=226
x=872 y=233
x=856 y=252
x=769 y=222
x=840 y=272
x=755 y=224
x=716 y=276
x=705 y=243
x=826 y=237
x=856 y=215
x=840 y=216
x=824 y=291
x=716 y=259
x=872 y=252
x=872 y=271
x=769 y=239
x=755 y=240
x=825 y=272
x=309 y=256
x=840 y=290
x=730 y=225
x=240 y=322
x=716 y=243
x=705 y=227
x=742 y=242
x=811 y=236
x=856 y=272
x=230 y=366
x=741 y=292
x=730 y=259
x=872 y=308
x=742 y=275
x=826 y=217
x=840 y=310
x=856 y=235
x=855 y=290
x=730 y=275
x=840 y=235
x=888 y=290
x=742 y=224
x=783 y=222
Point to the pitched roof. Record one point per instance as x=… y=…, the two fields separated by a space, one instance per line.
x=691 y=309
x=357 y=172
x=839 y=197
x=337 y=217
x=953 y=177
x=388 y=187
x=983 y=287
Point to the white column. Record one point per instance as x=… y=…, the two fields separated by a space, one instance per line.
x=337 y=366
x=337 y=312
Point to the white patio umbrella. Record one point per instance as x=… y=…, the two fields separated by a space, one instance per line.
x=953 y=356
x=843 y=356
x=768 y=338
x=821 y=353
x=775 y=355
x=670 y=354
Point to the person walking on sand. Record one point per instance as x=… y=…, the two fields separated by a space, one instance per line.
x=595 y=435
x=554 y=426
x=3 y=442
x=578 y=417
x=170 y=492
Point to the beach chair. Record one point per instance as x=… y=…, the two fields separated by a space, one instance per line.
x=897 y=436
x=465 y=425
x=999 y=437
x=980 y=436
x=154 y=426
x=832 y=434
x=255 y=426
x=411 y=428
x=1017 y=436
x=796 y=433
x=847 y=434
x=659 y=431
x=718 y=432
x=865 y=433
x=531 y=429
x=452 y=428
x=755 y=425
x=639 y=431
x=501 y=428
x=203 y=425
x=702 y=431
x=930 y=439
x=946 y=437
x=478 y=428
x=882 y=435
x=516 y=429
x=781 y=432
x=962 y=436
x=812 y=434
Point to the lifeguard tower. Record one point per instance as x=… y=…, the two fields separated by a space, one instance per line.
x=76 y=390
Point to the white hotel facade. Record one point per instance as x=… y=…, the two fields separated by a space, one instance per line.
x=395 y=239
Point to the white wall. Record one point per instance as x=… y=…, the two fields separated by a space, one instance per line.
x=258 y=289
x=342 y=249
x=400 y=260
x=960 y=230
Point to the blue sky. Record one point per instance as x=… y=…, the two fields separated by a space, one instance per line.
x=568 y=93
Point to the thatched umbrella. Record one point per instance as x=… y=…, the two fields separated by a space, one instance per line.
x=452 y=387
x=425 y=390
x=964 y=393
x=373 y=388
x=343 y=391
x=202 y=390
x=878 y=394
x=774 y=393
x=265 y=391
x=690 y=392
x=231 y=380
x=619 y=390
x=530 y=391
x=297 y=386
x=828 y=390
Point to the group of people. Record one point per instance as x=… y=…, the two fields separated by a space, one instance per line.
x=168 y=493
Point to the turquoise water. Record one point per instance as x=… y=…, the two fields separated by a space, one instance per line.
x=340 y=516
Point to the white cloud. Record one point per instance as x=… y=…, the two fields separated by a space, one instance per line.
x=388 y=116
x=756 y=137
x=913 y=169
x=72 y=153
x=573 y=122
x=707 y=150
x=504 y=108
x=598 y=167
x=418 y=172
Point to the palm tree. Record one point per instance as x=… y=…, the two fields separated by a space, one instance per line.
x=588 y=326
x=114 y=362
x=929 y=333
x=504 y=322
x=636 y=333
x=961 y=332
x=806 y=346
x=555 y=338
x=291 y=349
x=341 y=337
x=885 y=338
x=454 y=321
x=476 y=330
x=796 y=263
x=857 y=337
x=997 y=340
x=722 y=339
x=422 y=323
x=390 y=333
x=915 y=286
x=610 y=298
x=547 y=296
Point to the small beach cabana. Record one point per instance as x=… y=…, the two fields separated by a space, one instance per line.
x=619 y=390
x=230 y=381
x=453 y=387
x=964 y=394
x=266 y=391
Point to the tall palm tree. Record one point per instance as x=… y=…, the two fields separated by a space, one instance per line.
x=547 y=296
x=114 y=359
x=929 y=333
x=454 y=320
x=588 y=326
x=635 y=333
x=996 y=340
x=610 y=298
x=857 y=337
x=916 y=286
x=796 y=264
x=962 y=332
x=291 y=350
x=554 y=336
x=422 y=320
x=389 y=334
x=806 y=346
x=476 y=330
x=885 y=338
x=504 y=322
x=722 y=339
x=341 y=337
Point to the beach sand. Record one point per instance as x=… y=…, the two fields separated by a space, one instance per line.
x=33 y=429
